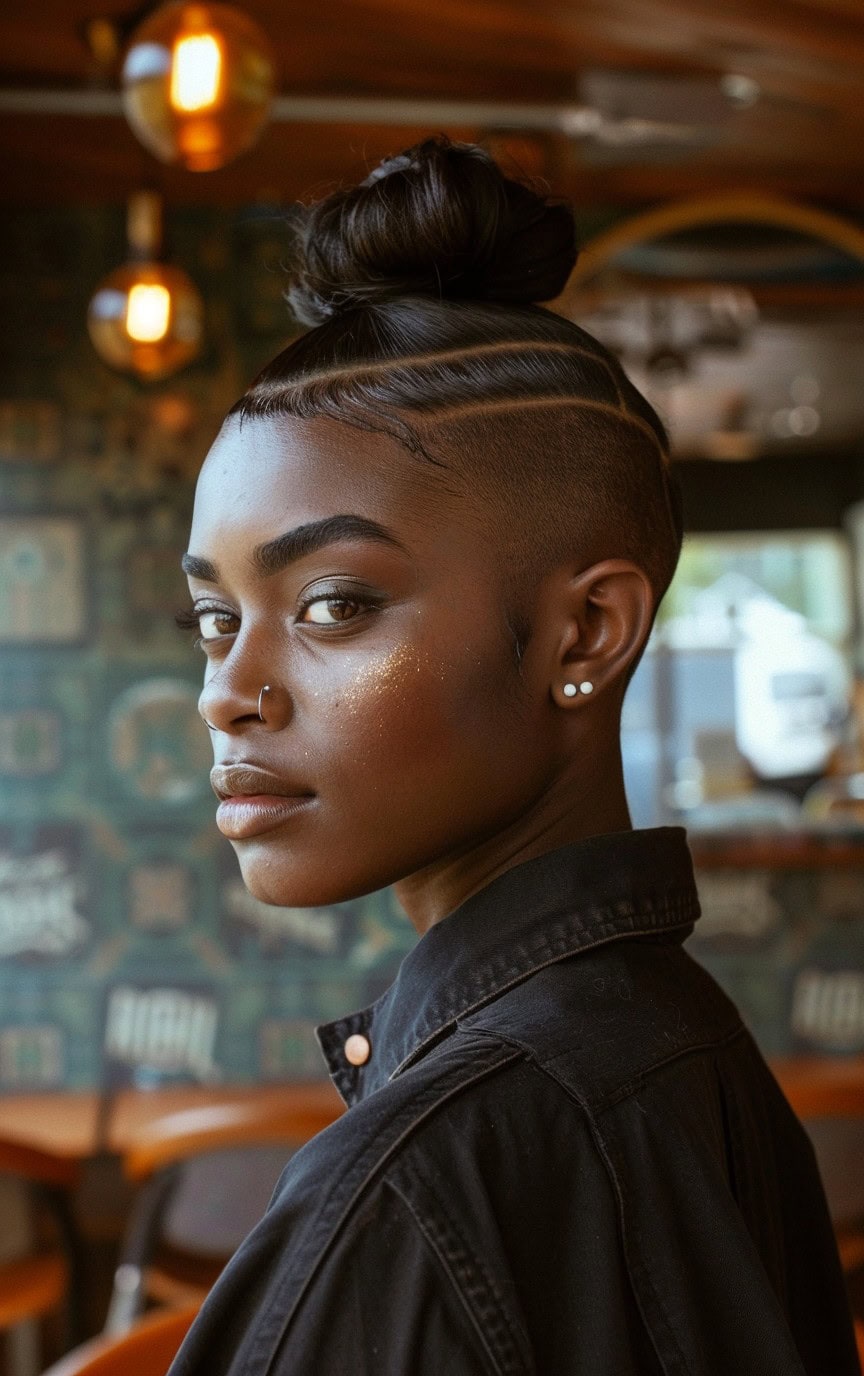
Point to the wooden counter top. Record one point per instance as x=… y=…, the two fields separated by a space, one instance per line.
x=779 y=850
x=67 y=1124
x=822 y=1086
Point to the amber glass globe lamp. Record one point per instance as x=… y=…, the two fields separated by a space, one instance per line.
x=146 y=317
x=197 y=83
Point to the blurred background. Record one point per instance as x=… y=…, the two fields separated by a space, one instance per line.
x=148 y=154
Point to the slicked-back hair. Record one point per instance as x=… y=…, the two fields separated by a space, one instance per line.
x=523 y=405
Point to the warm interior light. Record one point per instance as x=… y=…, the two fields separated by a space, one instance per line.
x=196 y=72
x=148 y=311
x=146 y=318
x=198 y=78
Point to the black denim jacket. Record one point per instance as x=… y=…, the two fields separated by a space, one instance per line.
x=564 y=1155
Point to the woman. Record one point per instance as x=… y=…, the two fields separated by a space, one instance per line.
x=427 y=550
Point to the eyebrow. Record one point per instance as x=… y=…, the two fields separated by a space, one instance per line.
x=277 y=554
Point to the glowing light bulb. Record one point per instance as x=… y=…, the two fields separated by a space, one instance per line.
x=148 y=310
x=146 y=319
x=196 y=72
x=197 y=83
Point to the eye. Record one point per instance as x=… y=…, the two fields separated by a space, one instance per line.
x=216 y=623
x=329 y=611
x=211 y=623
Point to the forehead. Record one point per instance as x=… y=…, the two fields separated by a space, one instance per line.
x=270 y=474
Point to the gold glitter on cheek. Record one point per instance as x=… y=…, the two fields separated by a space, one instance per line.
x=390 y=674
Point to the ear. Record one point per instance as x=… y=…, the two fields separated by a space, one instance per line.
x=604 y=615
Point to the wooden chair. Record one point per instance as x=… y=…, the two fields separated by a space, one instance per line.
x=824 y=1087
x=33 y=1285
x=156 y=1160
x=148 y=1349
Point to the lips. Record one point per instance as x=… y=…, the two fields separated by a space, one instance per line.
x=239 y=780
x=254 y=799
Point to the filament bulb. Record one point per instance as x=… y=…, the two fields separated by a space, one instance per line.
x=148 y=310
x=198 y=79
x=196 y=73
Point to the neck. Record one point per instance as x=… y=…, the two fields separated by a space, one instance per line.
x=585 y=802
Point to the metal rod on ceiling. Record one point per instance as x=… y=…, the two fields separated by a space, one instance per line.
x=566 y=119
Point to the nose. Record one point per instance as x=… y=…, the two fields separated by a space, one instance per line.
x=232 y=705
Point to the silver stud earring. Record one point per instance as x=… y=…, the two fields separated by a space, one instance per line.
x=570 y=690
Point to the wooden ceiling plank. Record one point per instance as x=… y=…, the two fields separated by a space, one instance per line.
x=806 y=136
x=102 y=163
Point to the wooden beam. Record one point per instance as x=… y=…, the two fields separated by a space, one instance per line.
x=46 y=160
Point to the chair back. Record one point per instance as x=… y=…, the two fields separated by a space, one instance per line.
x=166 y=1148
x=34 y=1280
x=148 y=1349
x=289 y=1114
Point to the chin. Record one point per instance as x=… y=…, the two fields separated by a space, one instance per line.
x=288 y=882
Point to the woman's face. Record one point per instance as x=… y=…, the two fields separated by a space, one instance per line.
x=331 y=565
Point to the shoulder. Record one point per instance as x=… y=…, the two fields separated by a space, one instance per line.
x=333 y=1211
x=459 y=1192
x=604 y=1020
x=477 y=1114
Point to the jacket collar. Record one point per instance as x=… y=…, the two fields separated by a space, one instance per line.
x=635 y=883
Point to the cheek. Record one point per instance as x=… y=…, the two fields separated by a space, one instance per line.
x=407 y=710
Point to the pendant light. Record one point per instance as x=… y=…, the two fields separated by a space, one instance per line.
x=146 y=317
x=197 y=83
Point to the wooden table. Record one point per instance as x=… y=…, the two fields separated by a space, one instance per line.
x=69 y=1124
x=822 y=1086
x=66 y=1125
x=70 y=1143
x=70 y=1128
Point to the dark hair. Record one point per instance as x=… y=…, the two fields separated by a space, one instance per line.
x=422 y=287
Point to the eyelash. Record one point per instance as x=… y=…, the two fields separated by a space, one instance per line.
x=189 y=618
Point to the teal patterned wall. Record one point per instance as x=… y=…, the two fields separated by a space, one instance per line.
x=787 y=943
x=130 y=951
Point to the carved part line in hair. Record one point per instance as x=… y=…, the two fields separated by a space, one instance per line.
x=475 y=351
x=522 y=403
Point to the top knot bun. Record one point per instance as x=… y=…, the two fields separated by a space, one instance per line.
x=439 y=220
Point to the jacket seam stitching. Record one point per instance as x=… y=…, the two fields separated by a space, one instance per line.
x=499 y=1366
x=629 y=1229
x=415 y=1114
x=624 y=1091
x=635 y=1265
x=632 y=1086
x=440 y=1030
x=482 y=1270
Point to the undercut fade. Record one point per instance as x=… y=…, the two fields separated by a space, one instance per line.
x=466 y=370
